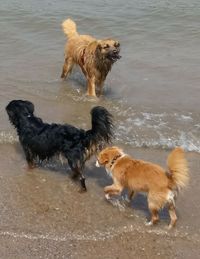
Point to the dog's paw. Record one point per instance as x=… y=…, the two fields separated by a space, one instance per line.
x=28 y=168
x=92 y=98
x=169 y=227
x=82 y=190
x=107 y=196
x=149 y=223
x=127 y=201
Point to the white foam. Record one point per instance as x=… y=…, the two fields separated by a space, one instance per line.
x=8 y=137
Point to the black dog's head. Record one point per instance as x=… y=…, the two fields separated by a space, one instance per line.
x=18 y=109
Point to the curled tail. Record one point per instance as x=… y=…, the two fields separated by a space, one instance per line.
x=178 y=168
x=69 y=28
x=102 y=125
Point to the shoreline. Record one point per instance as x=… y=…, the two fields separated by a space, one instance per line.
x=44 y=209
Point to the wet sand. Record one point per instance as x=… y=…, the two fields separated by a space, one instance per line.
x=44 y=216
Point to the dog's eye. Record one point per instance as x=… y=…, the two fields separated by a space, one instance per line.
x=117 y=44
x=106 y=46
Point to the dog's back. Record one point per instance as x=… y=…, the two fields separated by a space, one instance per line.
x=140 y=175
x=76 y=43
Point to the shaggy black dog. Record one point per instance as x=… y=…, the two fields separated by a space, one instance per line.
x=42 y=140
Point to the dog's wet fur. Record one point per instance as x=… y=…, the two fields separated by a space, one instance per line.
x=160 y=185
x=95 y=57
x=42 y=140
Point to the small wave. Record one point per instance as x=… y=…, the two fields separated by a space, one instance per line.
x=98 y=235
x=144 y=129
x=164 y=130
x=8 y=137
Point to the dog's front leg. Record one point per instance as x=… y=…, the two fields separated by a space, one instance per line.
x=82 y=180
x=29 y=158
x=131 y=194
x=112 y=190
x=129 y=197
x=91 y=86
x=77 y=173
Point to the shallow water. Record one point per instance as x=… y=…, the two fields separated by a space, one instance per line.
x=153 y=91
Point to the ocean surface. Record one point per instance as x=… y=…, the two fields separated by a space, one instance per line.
x=153 y=91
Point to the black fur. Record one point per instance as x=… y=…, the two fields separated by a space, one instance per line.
x=44 y=140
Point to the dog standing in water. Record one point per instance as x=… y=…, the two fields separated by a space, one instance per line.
x=95 y=57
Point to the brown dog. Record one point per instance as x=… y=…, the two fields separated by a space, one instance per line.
x=95 y=57
x=140 y=176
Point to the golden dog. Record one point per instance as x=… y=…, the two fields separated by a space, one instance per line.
x=140 y=176
x=95 y=57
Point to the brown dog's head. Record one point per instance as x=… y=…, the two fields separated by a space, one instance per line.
x=109 y=49
x=107 y=155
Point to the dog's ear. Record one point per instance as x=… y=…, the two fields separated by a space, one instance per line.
x=117 y=44
x=99 y=45
x=11 y=114
x=103 y=159
x=29 y=106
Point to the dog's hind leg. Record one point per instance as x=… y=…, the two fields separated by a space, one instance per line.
x=100 y=89
x=154 y=203
x=171 y=208
x=154 y=216
x=172 y=214
x=67 y=67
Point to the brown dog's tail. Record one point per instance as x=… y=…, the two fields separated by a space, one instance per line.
x=178 y=168
x=69 y=28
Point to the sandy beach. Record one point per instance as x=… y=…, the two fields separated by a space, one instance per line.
x=44 y=216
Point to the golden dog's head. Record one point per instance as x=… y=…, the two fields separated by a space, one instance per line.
x=107 y=155
x=108 y=49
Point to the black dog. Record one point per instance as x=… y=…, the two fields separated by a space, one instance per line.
x=44 y=140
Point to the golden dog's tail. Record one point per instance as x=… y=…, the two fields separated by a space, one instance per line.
x=69 y=28
x=178 y=168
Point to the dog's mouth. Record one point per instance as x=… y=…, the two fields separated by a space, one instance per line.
x=113 y=56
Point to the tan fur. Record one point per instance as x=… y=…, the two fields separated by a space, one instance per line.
x=142 y=176
x=90 y=54
x=178 y=167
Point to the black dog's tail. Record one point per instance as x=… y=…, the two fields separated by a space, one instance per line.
x=102 y=125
